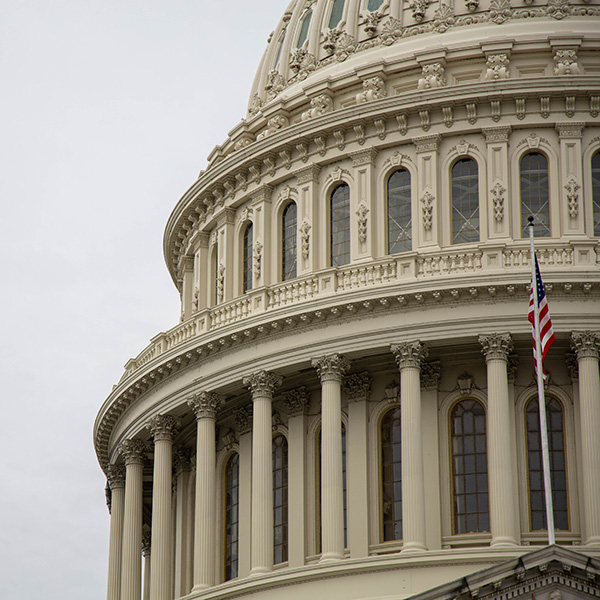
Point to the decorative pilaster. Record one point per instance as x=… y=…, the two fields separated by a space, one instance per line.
x=262 y=384
x=163 y=429
x=409 y=356
x=116 y=481
x=182 y=466
x=586 y=345
x=331 y=368
x=205 y=405
x=133 y=452
x=503 y=520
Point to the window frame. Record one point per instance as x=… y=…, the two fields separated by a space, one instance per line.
x=388 y=410
x=281 y=242
x=279 y=432
x=223 y=536
x=523 y=233
x=477 y=185
x=247 y=261
x=388 y=177
x=330 y=194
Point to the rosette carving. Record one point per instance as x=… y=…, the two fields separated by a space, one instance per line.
x=205 y=405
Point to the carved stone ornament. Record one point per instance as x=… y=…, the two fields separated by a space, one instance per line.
x=296 y=401
x=573 y=197
x=205 y=404
x=220 y=283
x=146 y=543
x=305 y=239
x=496 y=346
x=410 y=354
x=418 y=8
x=182 y=459
x=319 y=105
x=432 y=77
x=465 y=383
x=257 y=258
x=391 y=31
x=431 y=372
x=500 y=11
x=558 y=9
x=566 y=62
x=262 y=383
x=496 y=67
x=331 y=367
x=572 y=365
x=357 y=386
x=229 y=440
x=443 y=18
x=275 y=84
x=362 y=213
x=371 y=21
x=243 y=420
x=255 y=105
x=373 y=89
x=274 y=124
x=116 y=476
x=392 y=391
x=427 y=208
x=302 y=63
x=472 y=5
x=344 y=47
x=513 y=366
x=585 y=344
x=133 y=451
x=163 y=427
x=498 y=192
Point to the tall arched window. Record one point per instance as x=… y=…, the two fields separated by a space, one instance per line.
x=391 y=475
x=465 y=202
x=339 y=222
x=304 y=30
x=280 y=499
x=288 y=242
x=470 y=507
x=336 y=13
x=398 y=212
x=558 y=467
x=596 y=192
x=231 y=530
x=247 y=259
x=535 y=195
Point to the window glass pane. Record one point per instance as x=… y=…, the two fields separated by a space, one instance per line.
x=596 y=192
x=465 y=202
x=340 y=226
x=336 y=13
x=280 y=499
x=535 y=198
x=391 y=476
x=247 y=259
x=469 y=467
x=374 y=5
x=399 y=214
x=304 y=30
x=232 y=487
x=288 y=242
x=558 y=473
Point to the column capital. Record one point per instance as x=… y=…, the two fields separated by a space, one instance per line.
x=182 y=459
x=410 y=354
x=163 y=427
x=331 y=367
x=205 y=405
x=262 y=383
x=357 y=386
x=116 y=476
x=133 y=451
x=146 y=543
x=585 y=344
x=496 y=346
x=296 y=401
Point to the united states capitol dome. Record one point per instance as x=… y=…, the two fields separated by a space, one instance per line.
x=347 y=408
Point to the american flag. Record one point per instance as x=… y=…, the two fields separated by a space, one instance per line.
x=546 y=333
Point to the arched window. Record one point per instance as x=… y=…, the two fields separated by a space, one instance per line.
x=339 y=221
x=304 y=30
x=391 y=475
x=373 y=5
x=288 y=242
x=596 y=192
x=231 y=531
x=558 y=467
x=470 y=507
x=399 y=214
x=247 y=259
x=465 y=202
x=336 y=13
x=280 y=499
x=535 y=196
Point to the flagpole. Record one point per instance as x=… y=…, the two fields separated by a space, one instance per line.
x=541 y=395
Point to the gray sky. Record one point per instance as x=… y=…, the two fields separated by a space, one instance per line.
x=108 y=109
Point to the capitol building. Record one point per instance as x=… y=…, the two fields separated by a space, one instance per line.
x=348 y=409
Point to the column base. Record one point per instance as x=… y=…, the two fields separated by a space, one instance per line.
x=259 y=571
x=200 y=587
x=413 y=547
x=592 y=541
x=503 y=542
x=331 y=557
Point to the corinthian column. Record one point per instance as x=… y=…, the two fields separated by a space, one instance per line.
x=163 y=429
x=205 y=406
x=182 y=463
x=503 y=520
x=409 y=356
x=586 y=345
x=331 y=369
x=262 y=385
x=131 y=568
x=116 y=480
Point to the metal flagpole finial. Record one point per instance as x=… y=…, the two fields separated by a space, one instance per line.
x=530 y=219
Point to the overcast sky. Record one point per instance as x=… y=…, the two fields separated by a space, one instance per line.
x=108 y=109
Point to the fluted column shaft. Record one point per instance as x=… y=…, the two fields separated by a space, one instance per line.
x=116 y=479
x=205 y=405
x=503 y=520
x=409 y=356
x=587 y=347
x=183 y=535
x=146 y=556
x=163 y=429
x=131 y=566
x=331 y=369
x=262 y=385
